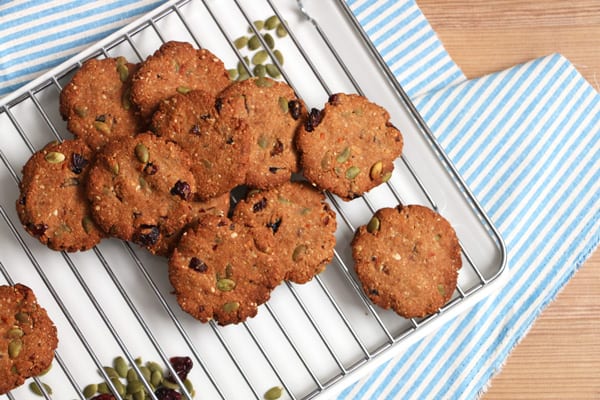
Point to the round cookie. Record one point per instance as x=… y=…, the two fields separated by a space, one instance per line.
x=218 y=274
x=140 y=189
x=295 y=224
x=28 y=337
x=218 y=148
x=52 y=204
x=176 y=67
x=273 y=113
x=349 y=147
x=95 y=103
x=407 y=259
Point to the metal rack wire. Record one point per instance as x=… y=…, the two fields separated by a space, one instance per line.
x=330 y=315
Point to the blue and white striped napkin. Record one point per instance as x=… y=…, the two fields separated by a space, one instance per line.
x=526 y=140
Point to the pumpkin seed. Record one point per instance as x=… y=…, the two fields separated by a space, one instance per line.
x=15 y=333
x=118 y=386
x=146 y=373
x=103 y=388
x=260 y=57
x=141 y=395
x=123 y=72
x=274 y=393
x=102 y=126
x=240 y=42
x=90 y=390
x=141 y=152
x=259 y=70
x=120 y=366
x=132 y=375
x=22 y=317
x=258 y=24
x=279 y=56
x=134 y=386
x=376 y=169
x=14 y=348
x=352 y=172
x=241 y=68
x=88 y=224
x=263 y=142
x=243 y=76
x=386 y=177
x=156 y=377
x=263 y=82
x=170 y=385
x=281 y=31
x=373 y=225
x=299 y=252
x=125 y=102
x=225 y=284
x=189 y=387
x=344 y=155
x=115 y=169
x=110 y=372
x=442 y=290
x=81 y=111
x=153 y=366
x=284 y=105
x=233 y=73
x=35 y=388
x=184 y=89
x=272 y=70
x=253 y=43
x=231 y=306
x=269 y=40
x=271 y=22
x=55 y=157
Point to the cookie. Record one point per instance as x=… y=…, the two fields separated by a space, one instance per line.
x=52 y=204
x=294 y=224
x=28 y=337
x=140 y=189
x=217 y=273
x=176 y=67
x=218 y=148
x=407 y=259
x=95 y=103
x=349 y=146
x=273 y=113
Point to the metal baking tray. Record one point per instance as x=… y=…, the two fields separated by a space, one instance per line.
x=313 y=339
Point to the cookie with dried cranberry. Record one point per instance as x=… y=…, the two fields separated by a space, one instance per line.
x=95 y=103
x=176 y=67
x=294 y=224
x=52 y=204
x=407 y=259
x=28 y=337
x=273 y=113
x=218 y=273
x=349 y=146
x=218 y=148
x=140 y=189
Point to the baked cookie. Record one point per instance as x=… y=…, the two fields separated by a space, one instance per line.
x=218 y=148
x=407 y=259
x=52 y=204
x=218 y=274
x=273 y=113
x=28 y=337
x=140 y=189
x=176 y=67
x=294 y=224
x=95 y=103
x=349 y=147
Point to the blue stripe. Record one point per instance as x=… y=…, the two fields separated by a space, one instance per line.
x=359 y=10
x=37 y=68
x=456 y=93
x=43 y=12
x=429 y=78
x=377 y=11
x=402 y=40
x=381 y=25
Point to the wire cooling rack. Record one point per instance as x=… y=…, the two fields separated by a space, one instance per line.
x=310 y=339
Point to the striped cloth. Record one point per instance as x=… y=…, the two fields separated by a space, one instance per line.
x=526 y=140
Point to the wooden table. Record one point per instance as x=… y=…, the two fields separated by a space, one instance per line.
x=560 y=357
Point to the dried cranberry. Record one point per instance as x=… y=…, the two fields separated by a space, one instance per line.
x=314 y=119
x=101 y=118
x=198 y=265
x=182 y=367
x=147 y=235
x=163 y=393
x=37 y=229
x=195 y=130
x=151 y=169
x=78 y=163
x=274 y=170
x=218 y=104
x=333 y=99
x=103 y=396
x=182 y=189
x=295 y=108
x=274 y=225
x=260 y=205
x=277 y=148
x=22 y=201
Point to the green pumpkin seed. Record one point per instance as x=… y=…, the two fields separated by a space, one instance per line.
x=284 y=105
x=344 y=155
x=55 y=157
x=88 y=224
x=146 y=373
x=118 y=386
x=15 y=333
x=70 y=182
x=14 y=348
x=386 y=177
x=123 y=72
x=279 y=56
x=442 y=290
x=189 y=387
x=376 y=169
x=184 y=89
x=272 y=22
x=253 y=43
x=170 y=385
x=153 y=366
x=34 y=387
x=269 y=40
x=263 y=142
x=260 y=57
x=115 y=169
x=263 y=82
x=231 y=306
x=299 y=252
x=373 y=225
x=110 y=372
x=259 y=70
x=102 y=126
x=280 y=31
x=225 y=284
x=81 y=112
x=90 y=390
x=352 y=172
x=125 y=102
x=134 y=386
x=240 y=42
x=103 y=388
x=233 y=73
x=274 y=393
x=241 y=68
x=272 y=70
x=156 y=377
x=22 y=317
x=258 y=24
x=141 y=395
x=120 y=366
x=142 y=153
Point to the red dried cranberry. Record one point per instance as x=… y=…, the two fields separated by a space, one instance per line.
x=163 y=393
x=218 y=104
x=78 y=163
x=147 y=235
x=37 y=229
x=182 y=189
x=333 y=99
x=277 y=148
x=195 y=130
x=103 y=396
x=101 y=118
x=295 y=108
x=274 y=225
x=182 y=367
x=260 y=205
x=314 y=119
x=151 y=169
x=274 y=170
x=198 y=265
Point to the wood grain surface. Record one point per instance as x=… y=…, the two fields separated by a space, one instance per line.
x=560 y=356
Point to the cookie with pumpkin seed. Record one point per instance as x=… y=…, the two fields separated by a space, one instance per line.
x=96 y=104
x=407 y=259
x=273 y=113
x=218 y=146
x=176 y=67
x=28 y=337
x=52 y=204
x=349 y=146
x=218 y=274
x=140 y=189
x=294 y=223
